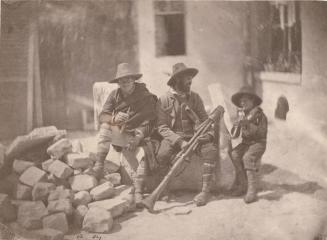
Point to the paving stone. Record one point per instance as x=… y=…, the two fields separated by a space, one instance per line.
x=61 y=193
x=78 y=171
x=114 y=178
x=42 y=190
x=19 y=166
x=97 y=220
x=36 y=138
x=77 y=146
x=79 y=214
x=60 y=148
x=60 y=169
x=82 y=182
x=116 y=206
x=61 y=205
x=82 y=198
x=79 y=160
x=57 y=221
x=23 y=192
x=103 y=191
x=7 y=210
x=46 y=164
x=32 y=176
x=30 y=214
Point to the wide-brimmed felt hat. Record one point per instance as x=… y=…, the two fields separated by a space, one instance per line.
x=246 y=91
x=180 y=69
x=125 y=70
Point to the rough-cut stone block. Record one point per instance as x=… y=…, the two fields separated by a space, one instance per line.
x=79 y=160
x=78 y=171
x=123 y=190
x=23 y=192
x=82 y=198
x=97 y=220
x=77 y=146
x=60 y=135
x=103 y=191
x=48 y=234
x=61 y=205
x=19 y=166
x=57 y=181
x=37 y=137
x=42 y=190
x=46 y=164
x=60 y=148
x=7 y=210
x=116 y=206
x=32 y=176
x=9 y=184
x=79 y=214
x=82 y=182
x=57 y=221
x=60 y=169
x=112 y=163
x=114 y=178
x=61 y=193
x=30 y=214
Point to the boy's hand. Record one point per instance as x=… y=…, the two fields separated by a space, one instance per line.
x=134 y=143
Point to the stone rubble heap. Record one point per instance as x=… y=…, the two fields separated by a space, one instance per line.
x=47 y=191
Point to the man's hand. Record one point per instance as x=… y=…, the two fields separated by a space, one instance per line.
x=205 y=138
x=183 y=144
x=134 y=143
x=121 y=117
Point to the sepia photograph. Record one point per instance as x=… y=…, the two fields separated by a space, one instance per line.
x=163 y=120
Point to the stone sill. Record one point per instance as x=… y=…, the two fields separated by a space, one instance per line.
x=279 y=77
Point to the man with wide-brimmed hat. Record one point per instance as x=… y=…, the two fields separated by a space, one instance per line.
x=246 y=156
x=127 y=117
x=180 y=111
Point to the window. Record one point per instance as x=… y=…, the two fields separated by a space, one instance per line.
x=169 y=28
x=280 y=41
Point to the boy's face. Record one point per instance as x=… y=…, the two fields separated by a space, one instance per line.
x=246 y=102
x=126 y=84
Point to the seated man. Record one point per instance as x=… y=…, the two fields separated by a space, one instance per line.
x=131 y=109
x=180 y=111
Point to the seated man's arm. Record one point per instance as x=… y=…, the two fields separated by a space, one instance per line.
x=164 y=127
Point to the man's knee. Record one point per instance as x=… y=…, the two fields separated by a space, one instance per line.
x=210 y=152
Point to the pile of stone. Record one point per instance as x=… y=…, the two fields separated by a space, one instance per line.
x=48 y=188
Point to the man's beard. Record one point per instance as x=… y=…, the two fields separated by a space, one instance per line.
x=183 y=87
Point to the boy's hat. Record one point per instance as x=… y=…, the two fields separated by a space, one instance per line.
x=125 y=70
x=248 y=91
x=180 y=69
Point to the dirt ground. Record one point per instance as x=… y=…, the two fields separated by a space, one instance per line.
x=292 y=204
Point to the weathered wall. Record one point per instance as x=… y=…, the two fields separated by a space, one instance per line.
x=214 y=45
x=81 y=42
x=14 y=67
x=308 y=98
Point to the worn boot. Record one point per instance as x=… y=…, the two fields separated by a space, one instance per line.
x=203 y=197
x=251 y=194
x=138 y=196
x=240 y=182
